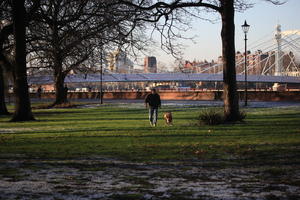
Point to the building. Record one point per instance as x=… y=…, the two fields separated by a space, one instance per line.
x=118 y=62
x=150 y=64
x=201 y=67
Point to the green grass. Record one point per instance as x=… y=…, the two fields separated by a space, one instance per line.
x=268 y=136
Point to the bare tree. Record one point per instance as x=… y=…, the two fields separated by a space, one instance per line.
x=13 y=51
x=3 y=108
x=22 y=106
x=5 y=31
x=66 y=34
x=159 y=10
x=5 y=66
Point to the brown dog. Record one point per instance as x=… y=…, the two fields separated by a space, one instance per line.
x=168 y=118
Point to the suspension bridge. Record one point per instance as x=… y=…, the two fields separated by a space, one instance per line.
x=275 y=56
x=276 y=60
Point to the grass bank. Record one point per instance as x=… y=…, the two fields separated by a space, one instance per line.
x=269 y=135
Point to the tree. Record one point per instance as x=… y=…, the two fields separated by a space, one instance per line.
x=5 y=31
x=226 y=8
x=66 y=34
x=22 y=106
x=3 y=108
x=4 y=66
x=13 y=51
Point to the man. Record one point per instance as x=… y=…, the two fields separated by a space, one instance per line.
x=153 y=101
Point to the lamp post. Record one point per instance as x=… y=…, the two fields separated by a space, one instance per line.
x=101 y=73
x=245 y=28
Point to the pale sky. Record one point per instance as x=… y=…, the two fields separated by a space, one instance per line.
x=262 y=18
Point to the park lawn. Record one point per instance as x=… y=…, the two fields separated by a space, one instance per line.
x=268 y=135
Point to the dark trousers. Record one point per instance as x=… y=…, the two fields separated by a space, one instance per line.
x=153 y=115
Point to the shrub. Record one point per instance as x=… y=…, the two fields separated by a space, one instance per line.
x=211 y=117
x=216 y=116
x=242 y=115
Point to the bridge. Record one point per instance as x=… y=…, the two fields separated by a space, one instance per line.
x=277 y=55
x=277 y=60
x=166 y=77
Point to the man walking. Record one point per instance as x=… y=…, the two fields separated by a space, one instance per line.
x=153 y=101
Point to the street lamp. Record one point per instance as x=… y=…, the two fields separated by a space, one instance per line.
x=245 y=28
x=101 y=73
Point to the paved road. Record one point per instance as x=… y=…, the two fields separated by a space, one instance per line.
x=254 y=104
x=251 y=104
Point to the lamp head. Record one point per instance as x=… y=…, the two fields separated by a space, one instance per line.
x=245 y=27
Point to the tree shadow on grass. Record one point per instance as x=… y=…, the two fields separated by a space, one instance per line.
x=275 y=116
x=92 y=120
x=56 y=113
x=135 y=133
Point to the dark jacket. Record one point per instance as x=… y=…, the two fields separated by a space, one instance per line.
x=153 y=100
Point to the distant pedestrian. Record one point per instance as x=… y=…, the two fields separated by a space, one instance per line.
x=39 y=92
x=153 y=102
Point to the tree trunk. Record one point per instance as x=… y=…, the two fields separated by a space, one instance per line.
x=231 y=102
x=60 y=90
x=22 y=100
x=3 y=109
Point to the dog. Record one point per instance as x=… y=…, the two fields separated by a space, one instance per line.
x=168 y=118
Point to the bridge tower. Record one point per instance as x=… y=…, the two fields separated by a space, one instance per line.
x=278 y=58
x=279 y=53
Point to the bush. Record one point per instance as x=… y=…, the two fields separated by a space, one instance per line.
x=242 y=115
x=211 y=117
x=216 y=116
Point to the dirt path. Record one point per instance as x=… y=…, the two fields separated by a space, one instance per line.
x=100 y=178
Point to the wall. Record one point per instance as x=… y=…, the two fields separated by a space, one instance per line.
x=185 y=95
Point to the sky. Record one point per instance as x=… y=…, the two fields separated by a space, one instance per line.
x=262 y=18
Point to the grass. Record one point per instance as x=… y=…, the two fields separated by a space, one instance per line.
x=10 y=173
x=267 y=136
